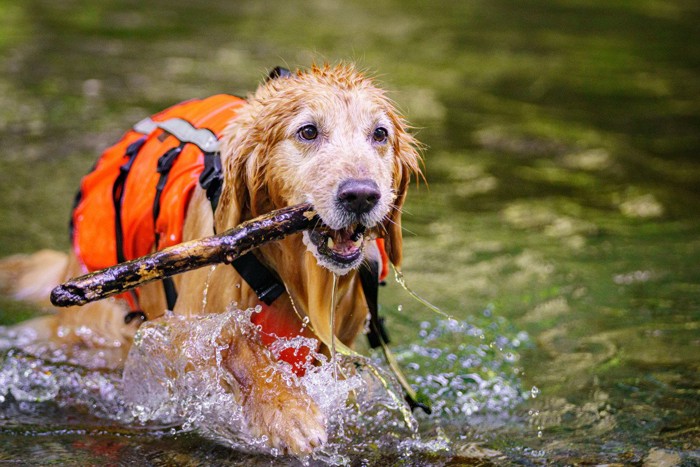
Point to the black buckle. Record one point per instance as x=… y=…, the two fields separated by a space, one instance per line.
x=211 y=179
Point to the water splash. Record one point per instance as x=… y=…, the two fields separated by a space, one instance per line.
x=44 y=374
x=191 y=391
x=465 y=369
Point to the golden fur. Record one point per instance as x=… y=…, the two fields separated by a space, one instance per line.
x=268 y=166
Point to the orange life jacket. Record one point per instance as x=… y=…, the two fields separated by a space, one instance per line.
x=122 y=193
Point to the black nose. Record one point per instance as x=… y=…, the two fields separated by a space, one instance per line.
x=358 y=196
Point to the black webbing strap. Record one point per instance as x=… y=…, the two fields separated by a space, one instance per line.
x=263 y=281
x=369 y=278
x=170 y=293
x=165 y=163
x=118 y=194
x=377 y=335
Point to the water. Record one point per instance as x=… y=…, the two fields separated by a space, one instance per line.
x=187 y=394
x=561 y=212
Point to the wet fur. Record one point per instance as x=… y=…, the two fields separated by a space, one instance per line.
x=266 y=166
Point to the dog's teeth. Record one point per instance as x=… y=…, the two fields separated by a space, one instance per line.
x=330 y=243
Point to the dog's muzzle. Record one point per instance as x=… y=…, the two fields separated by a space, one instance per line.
x=341 y=249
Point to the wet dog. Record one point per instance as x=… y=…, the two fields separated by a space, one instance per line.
x=326 y=136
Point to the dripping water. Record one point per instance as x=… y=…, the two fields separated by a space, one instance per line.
x=398 y=275
x=205 y=293
x=334 y=291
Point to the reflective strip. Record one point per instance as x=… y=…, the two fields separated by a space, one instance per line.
x=183 y=130
x=145 y=126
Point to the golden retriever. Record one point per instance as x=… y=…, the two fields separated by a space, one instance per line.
x=327 y=136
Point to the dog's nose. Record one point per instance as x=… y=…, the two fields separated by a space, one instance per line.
x=358 y=195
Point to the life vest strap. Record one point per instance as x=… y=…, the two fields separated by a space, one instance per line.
x=165 y=163
x=204 y=138
x=145 y=126
x=369 y=278
x=259 y=277
x=118 y=194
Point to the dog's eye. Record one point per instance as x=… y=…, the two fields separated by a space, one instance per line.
x=380 y=135
x=308 y=132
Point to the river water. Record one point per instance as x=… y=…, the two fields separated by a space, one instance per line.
x=559 y=225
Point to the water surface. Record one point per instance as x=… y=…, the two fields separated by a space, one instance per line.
x=561 y=212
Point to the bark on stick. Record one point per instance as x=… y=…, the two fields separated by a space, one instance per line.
x=195 y=254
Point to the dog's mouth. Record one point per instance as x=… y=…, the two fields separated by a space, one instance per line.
x=339 y=250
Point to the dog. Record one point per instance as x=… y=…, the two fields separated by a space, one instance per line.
x=327 y=136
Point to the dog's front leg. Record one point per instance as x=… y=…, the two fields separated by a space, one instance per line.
x=282 y=412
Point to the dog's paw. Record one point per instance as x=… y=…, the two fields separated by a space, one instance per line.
x=289 y=419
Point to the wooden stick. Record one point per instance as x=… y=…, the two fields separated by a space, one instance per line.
x=195 y=254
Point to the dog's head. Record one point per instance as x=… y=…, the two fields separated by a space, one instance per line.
x=327 y=136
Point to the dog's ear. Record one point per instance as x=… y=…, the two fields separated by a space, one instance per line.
x=234 y=203
x=246 y=178
x=406 y=163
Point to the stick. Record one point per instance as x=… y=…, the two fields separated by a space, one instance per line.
x=195 y=254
